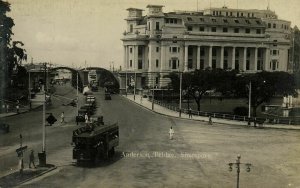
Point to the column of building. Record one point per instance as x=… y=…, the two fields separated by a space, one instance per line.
x=186 y=47
x=198 y=56
x=233 y=58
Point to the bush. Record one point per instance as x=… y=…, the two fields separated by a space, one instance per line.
x=240 y=111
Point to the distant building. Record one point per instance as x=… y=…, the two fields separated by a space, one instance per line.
x=160 y=43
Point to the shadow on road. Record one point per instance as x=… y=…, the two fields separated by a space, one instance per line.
x=100 y=163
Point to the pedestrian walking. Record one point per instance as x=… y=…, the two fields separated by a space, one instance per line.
x=209 y=120
x=31 y=159
x=190 y=112
x=86 y=118
x=171 y=133
x=62 y=118
x=18 y=108
x=141 y=99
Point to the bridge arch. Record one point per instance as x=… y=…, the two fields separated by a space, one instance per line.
x=106 y=76
x=74 y=76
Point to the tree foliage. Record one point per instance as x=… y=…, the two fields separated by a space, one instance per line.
x=12 y=53
x=264 y=86
x=197 y=83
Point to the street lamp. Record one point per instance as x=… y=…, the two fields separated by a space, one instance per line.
x=237 y=165
x=250 y=91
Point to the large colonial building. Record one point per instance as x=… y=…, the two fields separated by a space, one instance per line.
x=160 y=43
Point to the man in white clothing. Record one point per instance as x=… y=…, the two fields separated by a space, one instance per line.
x=171 y=133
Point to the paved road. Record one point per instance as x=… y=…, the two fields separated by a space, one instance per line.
x=197 y=157
x=30 y=126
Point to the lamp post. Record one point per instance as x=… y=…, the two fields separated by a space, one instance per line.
x=249 y=108
x=180 y=92
x=134 y=85
x=153 y=93
x=237 y=164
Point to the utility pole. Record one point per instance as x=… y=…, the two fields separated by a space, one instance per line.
x=250 y=92
x=180 y=92
x=153 y=93
x=77 y=95
x=134 y=85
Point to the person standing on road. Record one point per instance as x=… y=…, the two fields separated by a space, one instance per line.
x=31 y=159
x=171 y=133
x=62 y=118
x=209 y=120
x=190 y=113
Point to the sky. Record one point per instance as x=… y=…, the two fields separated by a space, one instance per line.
x=81 y=33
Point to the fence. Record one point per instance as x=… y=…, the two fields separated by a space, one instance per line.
x=259 y=120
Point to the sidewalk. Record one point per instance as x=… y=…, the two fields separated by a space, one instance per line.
x=165 y=111
x=15 y=178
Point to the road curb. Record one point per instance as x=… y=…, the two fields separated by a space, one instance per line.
x=15 y=114
x=38 y=175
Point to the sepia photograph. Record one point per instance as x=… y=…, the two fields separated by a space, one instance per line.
x=149 y=93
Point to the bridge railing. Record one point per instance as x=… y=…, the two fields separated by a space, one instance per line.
x=259 y=120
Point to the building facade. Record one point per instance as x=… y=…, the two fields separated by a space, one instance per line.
x=159 y=43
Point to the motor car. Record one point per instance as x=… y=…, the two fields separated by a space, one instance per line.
x=107 y=96
x=4 y=128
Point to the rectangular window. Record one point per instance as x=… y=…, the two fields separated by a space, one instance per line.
x=140 y=64
x=175 y=21
x=214 y=64
x=247 y=30
x=230 y=13
x=225 y=29
x=247 y=65
x=259 y=65
x=201 y=29
x=274 y=26
x=238 y=14
x=156 y=80
x=130 y=50
x=237 y=53
x=213 y=29
x=157 y=63
x=189 y=19
x=274 y=52
x=174 y=49
x=213 y=20
x=225 y=20
x=190 y=64
x=247 y=21
x=225 y=66
x=269 y=25
x=174 y=63
x=157 y=26
x=214 y=52
x=236 y=30
x=258 y=31
x=242 y=14
x=236 y=21
x=202 y=53
x=258 y=22
x=190 y=28
x=157 y=49
x=201 y=63
x=201 y=19
x=130 y=63
x=237 y=65
x=131 y=28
